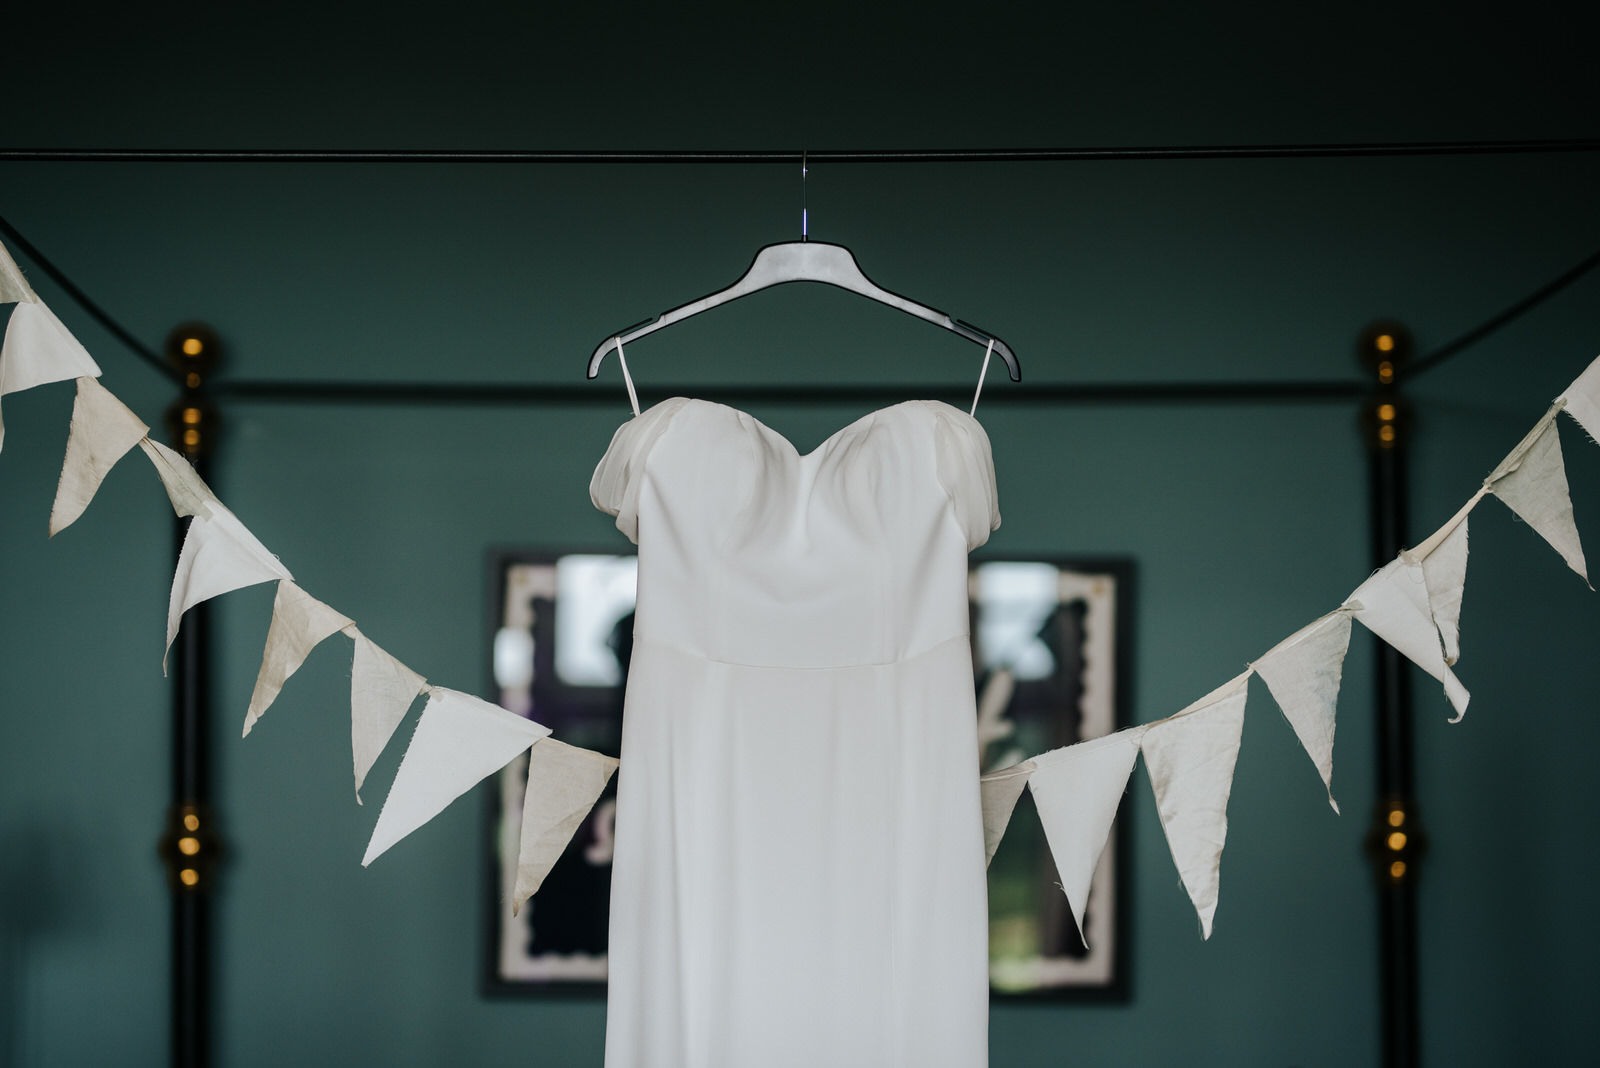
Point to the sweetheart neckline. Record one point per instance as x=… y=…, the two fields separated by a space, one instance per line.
x=831 y=437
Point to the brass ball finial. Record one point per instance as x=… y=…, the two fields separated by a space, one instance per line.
x=189 y=847
x=194 y=350
x=1384 y=347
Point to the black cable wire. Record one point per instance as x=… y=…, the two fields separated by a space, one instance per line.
x=1001 y=155
x=1489 y=326
x=100 y=315
x=516 y=394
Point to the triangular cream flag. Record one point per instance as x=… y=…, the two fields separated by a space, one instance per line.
x=299 y=623
x=1582 y=399
x=1303 y=673
x=1532 y=481
x=381 y=692
x=39 y=349
x=1444 y=573
x=1393 y=604
x=185 y=489
x=13 y=287
x=998 y=792
x=564 y=782
x=219 y=555
x=459 y=740
x=1190 y=757
x=103 y=430
x=1077 y=791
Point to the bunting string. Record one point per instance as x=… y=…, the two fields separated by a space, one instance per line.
x=459 y=740
x=1413 y=603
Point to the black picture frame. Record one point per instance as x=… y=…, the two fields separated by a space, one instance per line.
x=1117 y=984
x=1112 y=983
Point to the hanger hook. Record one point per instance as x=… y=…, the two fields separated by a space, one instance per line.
x=804 y=221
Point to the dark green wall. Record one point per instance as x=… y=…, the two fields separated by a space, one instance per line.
x=1246 y=520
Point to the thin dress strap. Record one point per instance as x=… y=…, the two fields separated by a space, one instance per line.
x=633 y=397
x=988 y=352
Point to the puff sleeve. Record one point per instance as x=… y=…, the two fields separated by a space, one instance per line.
x=614 y=489
x=966 y=471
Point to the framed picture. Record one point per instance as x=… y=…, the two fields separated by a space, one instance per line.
x=1051 y=654
x=1051 y=659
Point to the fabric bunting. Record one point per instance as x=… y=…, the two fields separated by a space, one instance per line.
x=219 y=556
x=1393 y=604
x=39 y=349
x=460 y=739
x=1582 y=400
x=1444 y=573
x=13 y=287
x=381 y=692
x=299 y=623
x=103 y=430
x=1190 y=757
x=1413 y=603
x=1532 y=482
x=998 y=792
x=1303 y=672
x=1077 y=791
x=564 y=782
x=185 y=489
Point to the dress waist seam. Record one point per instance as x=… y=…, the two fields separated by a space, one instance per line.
x=640 y=640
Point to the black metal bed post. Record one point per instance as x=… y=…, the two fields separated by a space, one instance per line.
x=1394 y=841
x=190 y=844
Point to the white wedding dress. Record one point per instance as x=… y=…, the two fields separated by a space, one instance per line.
x=799 y=867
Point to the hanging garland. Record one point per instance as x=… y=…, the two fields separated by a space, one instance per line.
x=1413 y=603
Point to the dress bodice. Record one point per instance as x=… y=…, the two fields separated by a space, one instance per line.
x=851 y=554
